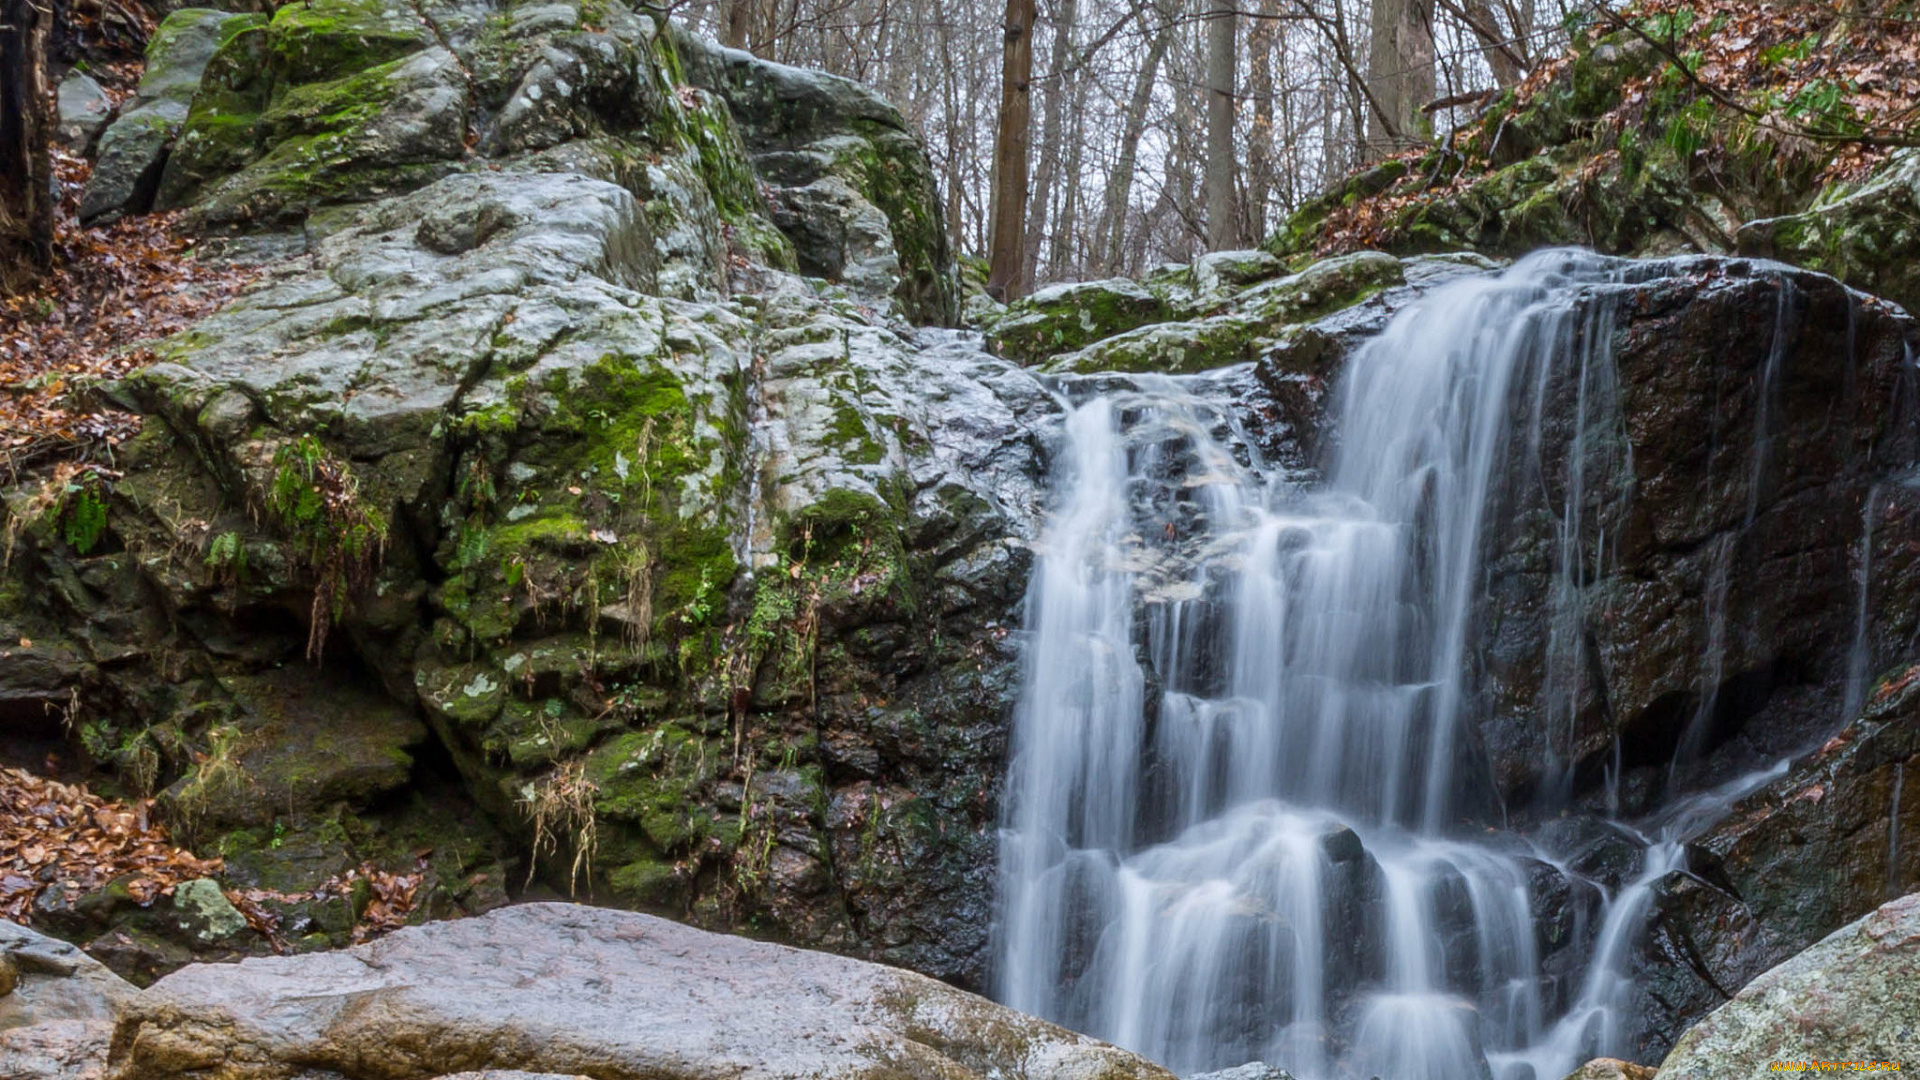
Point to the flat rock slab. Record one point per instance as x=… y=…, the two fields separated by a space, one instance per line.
x=565 y=989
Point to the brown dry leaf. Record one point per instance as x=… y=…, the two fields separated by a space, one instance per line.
x=53 y=832
x=1763 y=56
x=113 y=288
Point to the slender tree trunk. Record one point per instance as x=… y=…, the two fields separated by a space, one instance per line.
x=1004 y=279
x=1222 y=48
x=1067 y=221
x=1504 y=50
x=1047 y=169
x=1358 y=105
x=1120 y=184
x=956 y=230
x=26 y=168
x=1399 y=74
x=1261 y=37
x=736 y=17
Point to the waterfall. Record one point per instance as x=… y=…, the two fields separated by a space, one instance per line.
x=1234 y=797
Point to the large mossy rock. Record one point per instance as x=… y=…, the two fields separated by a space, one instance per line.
x=491 y=514
x=345 y=101
x=1847 y=999
x=1227 y=308
x=553 y=988
x=134 y=148
x=1867 y=234
x=852 y=185
x=704 y=601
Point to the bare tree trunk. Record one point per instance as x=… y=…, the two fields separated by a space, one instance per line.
x=26 y=169
x=1399 y=74
x=1004 y=279
x=1223 y=26
x=1261 y=38
x=1064 y=217
x=1047 y=169
x=1358 y=102
x=1120 y=184
x=736 y=16
x=1505 y=50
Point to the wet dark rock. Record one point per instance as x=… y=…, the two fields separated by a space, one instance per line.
x=1722 y=538
x=1810 y=851
x=1847 y=998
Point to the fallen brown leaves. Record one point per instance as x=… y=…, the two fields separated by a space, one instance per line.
x=389 y=898
x=113 y=287
x=54 y=833
x=60 y=833
x=1826 y=81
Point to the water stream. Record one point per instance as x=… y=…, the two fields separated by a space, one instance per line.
x=1234 y=803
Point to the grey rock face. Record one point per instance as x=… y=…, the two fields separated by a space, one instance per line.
x=133 y=149
x=57 y=1008
x=84 y=110
x=556 y=988
x=840 y=160
x=55 y=982
x=1847 y=999
x=681 y=504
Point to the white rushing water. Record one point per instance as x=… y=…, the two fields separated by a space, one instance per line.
x=1231 y=801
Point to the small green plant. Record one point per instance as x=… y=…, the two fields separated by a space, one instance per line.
x=227 y=557
x=315 y=498
x=83 y=515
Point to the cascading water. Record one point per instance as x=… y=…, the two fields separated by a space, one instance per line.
x=1230 y=841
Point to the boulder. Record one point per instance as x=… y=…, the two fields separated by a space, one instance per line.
x=1862 y=232
x=57 y=1050
x=53 y=981
x=561 y=989
x=1612 y=1069
x=1227 y=308
x=1062 y=318
x=1848 y=998
x=134 y=149
x=840 y=162
x=1220 y=272
x=84 y=110
x=57 y=1008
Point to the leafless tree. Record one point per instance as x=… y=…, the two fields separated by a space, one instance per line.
x=1005 y=276
x=1076 y=138
x=26 y=180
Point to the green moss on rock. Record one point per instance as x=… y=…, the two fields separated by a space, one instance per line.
x=323 y=40
x=1062 y=318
